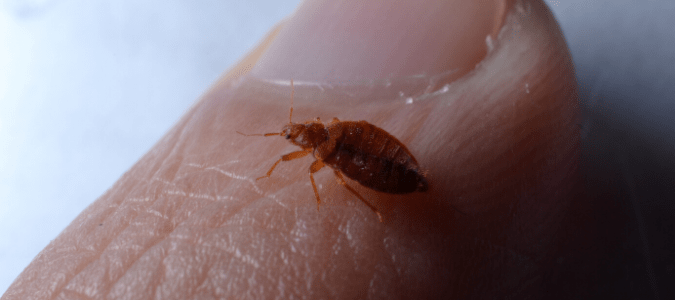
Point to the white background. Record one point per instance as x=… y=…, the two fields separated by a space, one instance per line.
x=88 y=86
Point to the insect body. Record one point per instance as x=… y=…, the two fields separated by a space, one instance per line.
x=360 y=150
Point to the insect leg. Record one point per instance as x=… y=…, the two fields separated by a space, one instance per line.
x=341 y=180
x=287 y=157
x=315 y=167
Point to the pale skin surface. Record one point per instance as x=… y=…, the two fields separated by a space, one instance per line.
x=503 y=214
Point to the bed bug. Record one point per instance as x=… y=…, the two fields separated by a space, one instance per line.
x=361 y=151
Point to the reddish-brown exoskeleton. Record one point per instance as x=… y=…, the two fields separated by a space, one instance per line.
x=360 y=150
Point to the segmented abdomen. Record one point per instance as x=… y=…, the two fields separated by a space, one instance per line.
x=374 y=158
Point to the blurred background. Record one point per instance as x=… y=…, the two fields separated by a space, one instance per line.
x=87 y=87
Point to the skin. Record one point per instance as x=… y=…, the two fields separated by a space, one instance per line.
x=505 y=214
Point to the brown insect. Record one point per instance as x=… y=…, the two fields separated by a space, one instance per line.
x=360 y=150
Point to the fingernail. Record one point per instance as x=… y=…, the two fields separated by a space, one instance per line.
x=328 y=40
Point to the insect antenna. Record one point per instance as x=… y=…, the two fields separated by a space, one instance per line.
x=290 y=118
x=290 y=114
x=261 y=134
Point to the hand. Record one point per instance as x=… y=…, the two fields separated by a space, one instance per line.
x=496 y=130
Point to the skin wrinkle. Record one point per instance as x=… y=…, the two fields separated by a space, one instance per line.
x=115 y=285
x=86 y=264
x=199 y=272
x=69 y=294
x=158 y=240
x=82 y=267
x=138 y=256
